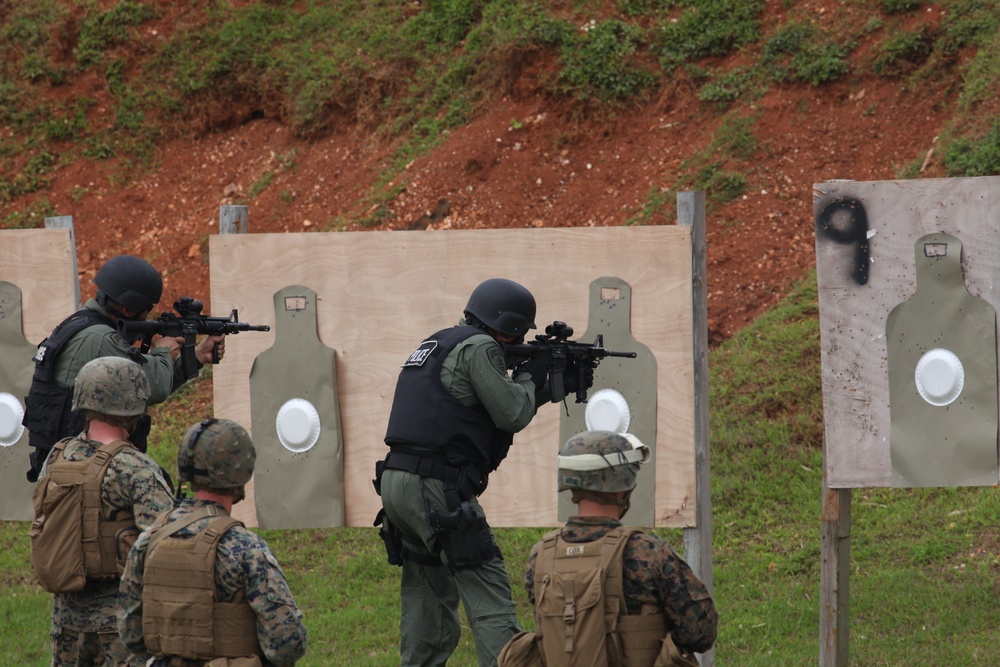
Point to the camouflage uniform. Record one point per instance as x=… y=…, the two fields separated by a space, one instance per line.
x=85 y=623
x=601 y=467
x=244 y=563
x=653 y=575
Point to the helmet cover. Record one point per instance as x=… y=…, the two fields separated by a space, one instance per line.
x=114 y=386
x=503 y=305
x=601 y=461
x=216 y=453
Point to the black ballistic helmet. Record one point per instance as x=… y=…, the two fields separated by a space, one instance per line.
x=503 y=305
x=130 y=281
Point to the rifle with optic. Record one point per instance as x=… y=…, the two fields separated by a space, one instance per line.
x=188 y=323
x=566 y=356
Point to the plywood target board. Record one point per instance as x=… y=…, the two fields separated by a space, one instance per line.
x=41 y=263
x=380 y=293
x=907 y=273
x=38 y=288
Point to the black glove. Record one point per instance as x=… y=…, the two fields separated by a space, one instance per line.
x=571 y=381
x=537 y=367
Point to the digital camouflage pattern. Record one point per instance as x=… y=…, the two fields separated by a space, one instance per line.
x=619 y=475
x=653 y=574
x=243 y=563
x=111 y=386
x=216 y=453
x=133 y=482
x=72 y=649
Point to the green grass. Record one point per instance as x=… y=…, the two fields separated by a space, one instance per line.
x=924 y=562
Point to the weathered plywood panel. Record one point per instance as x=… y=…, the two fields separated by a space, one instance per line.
x=41 y=263
x=380 y=293
x=38 y=288
x=858 y=289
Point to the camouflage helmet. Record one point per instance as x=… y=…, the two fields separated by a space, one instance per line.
x=601 y=461
x=216 y=453
x=114 y=386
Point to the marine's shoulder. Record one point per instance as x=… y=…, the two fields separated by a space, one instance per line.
x=78 y=449
x=132 y=458
x=241 y=537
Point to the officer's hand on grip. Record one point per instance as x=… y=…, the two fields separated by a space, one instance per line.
x=572 y=380
x=536 y=366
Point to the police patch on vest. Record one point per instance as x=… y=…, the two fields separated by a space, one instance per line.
x=421 y=354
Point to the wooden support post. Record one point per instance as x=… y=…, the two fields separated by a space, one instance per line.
x=698 y=540
x=66 y=222
x=234 y=219
x=834 y=576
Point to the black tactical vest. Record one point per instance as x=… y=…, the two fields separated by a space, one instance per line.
x=427 y=415
x=47 y=413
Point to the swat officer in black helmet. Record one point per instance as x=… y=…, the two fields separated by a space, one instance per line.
x=127 y=289
x=452 y=422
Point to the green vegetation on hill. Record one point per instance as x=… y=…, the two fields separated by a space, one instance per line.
x=410 y=72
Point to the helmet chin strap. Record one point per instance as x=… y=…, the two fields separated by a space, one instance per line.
x=116 y=309
x=474 y=321
x=103 y=301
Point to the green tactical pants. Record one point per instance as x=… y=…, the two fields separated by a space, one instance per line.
x=429 y=624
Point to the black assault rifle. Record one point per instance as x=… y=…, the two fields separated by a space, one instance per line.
x=188 y=323
x=565 y=355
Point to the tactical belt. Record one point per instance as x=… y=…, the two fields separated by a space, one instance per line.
x=468 y=479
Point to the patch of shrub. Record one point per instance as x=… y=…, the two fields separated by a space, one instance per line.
x=966 y=157
x=445 y=22
x=599 y=62
x=68 y=126
x=898 y=6
x=968 y=23
x=707 y=28
x=903 y=51
x=819 y=64
x=105 y=30
x=735 y=137
x=29 y=218
x=645 y=7
x=30 y=179
x=728 y=88
x=799 y=52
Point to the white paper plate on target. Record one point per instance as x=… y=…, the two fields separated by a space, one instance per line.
x=11 y=414
x=298 y=425
x=607 y=410
x=940 y=376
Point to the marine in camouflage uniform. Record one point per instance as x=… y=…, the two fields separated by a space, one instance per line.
x=85 y=623
x=653 y=573
x=453 y=417
x=217 y=457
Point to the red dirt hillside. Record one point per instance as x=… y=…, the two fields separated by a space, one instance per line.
x=525 y=160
